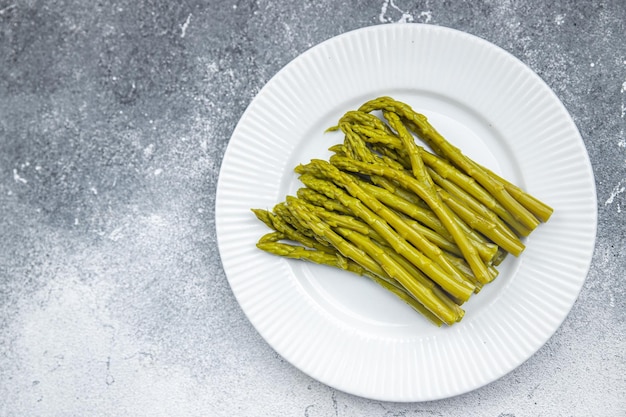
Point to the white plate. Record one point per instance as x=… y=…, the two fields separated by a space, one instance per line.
x=342 y=329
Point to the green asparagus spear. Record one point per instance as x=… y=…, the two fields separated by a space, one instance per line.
x=418 y=168
x=277 y=223
x=388 y=209
x=540 y=209
x=468 y=184
x=311 y=255
x=333 y=219
x=272 y=237
x=441 y=166
x=420 y=125
x=419 y=275
x=431 y=261
x=284 y=215
x=407 y=145
x=378 y=136
x=441 y=210
x=338 y=261
x=371 y=246
x=483 y=225
x=321 y=200
x=470 y=202
x=356 y=117
x=421 y=293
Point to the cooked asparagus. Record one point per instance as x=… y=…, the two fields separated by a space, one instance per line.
x=429 y=226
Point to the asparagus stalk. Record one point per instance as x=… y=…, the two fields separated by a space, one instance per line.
x=532 y=204
x=419 y=224
x=387 y=195
x=360 y=118
x=418 y=168
x=483 y=225
x=392 y=143
x=321 y=200
x=406 y=144
x=468 y=184
x=371 y=246
x=334 y=220
x=277 y=223
x=350 y=223
x=283 y=214
x=447 y=298
x=441 y=210
x=470 y=202
x=338 y=261
x=312 y=255
x=418 y=291
x=380 y=217
x=417 y=212
x=420 y=125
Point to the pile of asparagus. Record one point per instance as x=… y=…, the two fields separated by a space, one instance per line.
x=428 y=225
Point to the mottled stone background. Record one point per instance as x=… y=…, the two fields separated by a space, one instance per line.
x=114 y=116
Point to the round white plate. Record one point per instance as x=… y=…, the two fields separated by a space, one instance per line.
x=342 y=329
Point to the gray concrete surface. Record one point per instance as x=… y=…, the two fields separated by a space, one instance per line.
x=114 y=117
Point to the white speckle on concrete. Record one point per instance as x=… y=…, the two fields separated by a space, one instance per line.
x=148 y=151
x=405 y=17
x=617 y=190
x=6 y=9
x=559 y=19
x=154 y=220
x=212 y=67
x=18 y=178
x=116 y=234
x=184 y=26
x=426 y=16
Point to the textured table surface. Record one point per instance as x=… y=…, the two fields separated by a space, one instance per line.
x=114 y=117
